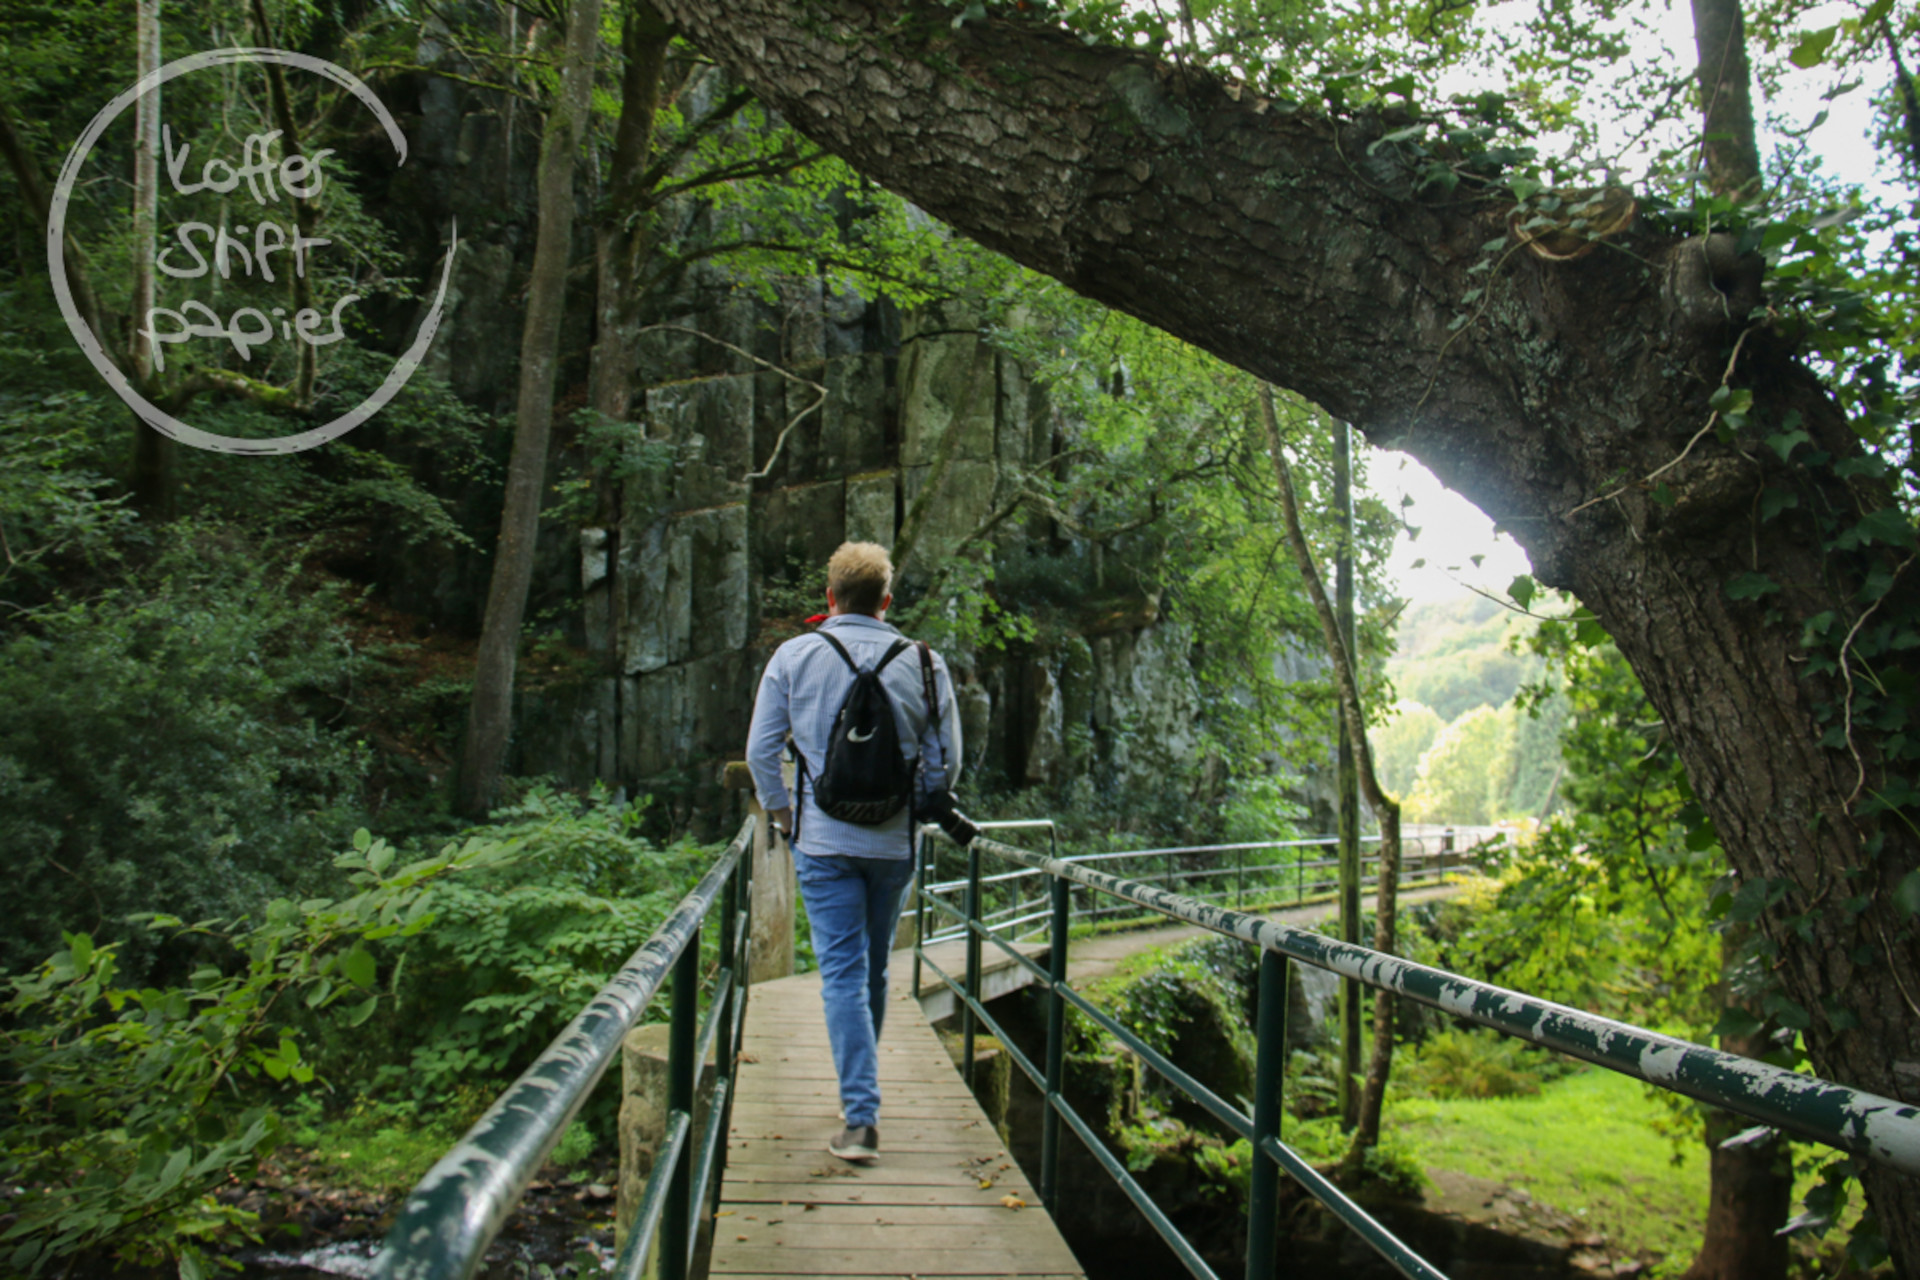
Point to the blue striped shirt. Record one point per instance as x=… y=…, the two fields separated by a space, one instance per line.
x=801 y=691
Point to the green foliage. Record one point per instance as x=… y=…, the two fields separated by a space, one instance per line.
x=516 y=952
x=1606 y=909
x=1400 y=742
x=1472 y=1064
x=132 y=1104
x=1584 y=1144
x=1468 y=770
x=1458 y=655
x=379 y=1144
x=165 y=745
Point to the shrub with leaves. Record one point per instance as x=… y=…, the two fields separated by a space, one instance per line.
x=131 y=1104
x=1474 y=1064
x=165 y=746
x=515 y=953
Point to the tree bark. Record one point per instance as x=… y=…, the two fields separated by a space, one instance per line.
x=491 y=717
x=620 y=239
x=1728 y=148
x=1750 y=1184
x=1386 y=810
x=1286 y=242
x=153 y=453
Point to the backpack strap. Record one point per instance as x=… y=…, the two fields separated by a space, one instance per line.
x=839 y=649
x=893 y=651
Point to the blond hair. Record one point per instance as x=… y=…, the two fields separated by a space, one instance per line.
x=860 y=574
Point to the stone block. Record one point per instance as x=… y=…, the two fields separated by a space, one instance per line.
x=656 y=724
x=653 y=596
x=942 y=384
x=717 y=565
x=872 y=508
x=710 y=422
x=804 y=523
x=806 y=455
x=558 y=730
x=720 y=698
x=965 y=498
x=976 y=718
x=856 y=413
x=1046 y=747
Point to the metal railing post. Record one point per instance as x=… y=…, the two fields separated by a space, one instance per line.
x=1269 y=1075
x=730 y=973
x=1446 y=847
x=919 y=905
x=1061 y=893
x=676 y=1228
x=1240 y=878
x=972 y=992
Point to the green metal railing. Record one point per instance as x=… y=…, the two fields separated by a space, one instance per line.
x=447 y=1222
x=1220 y=873
x=1862 y=1123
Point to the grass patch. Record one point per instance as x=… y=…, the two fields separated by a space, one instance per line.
x=378 y=1147
x=1582 y=1144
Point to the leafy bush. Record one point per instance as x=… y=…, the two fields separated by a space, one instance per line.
x=164 y=745
x=132 y=1104
x=1473 y=1064
x=516 y=952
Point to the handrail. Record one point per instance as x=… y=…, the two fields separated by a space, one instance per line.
x=1853 y=1120
x=1419 y=866
x=446 y=1224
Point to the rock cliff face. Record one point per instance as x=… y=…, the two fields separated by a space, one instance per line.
x=677 y=586
x=681 y=597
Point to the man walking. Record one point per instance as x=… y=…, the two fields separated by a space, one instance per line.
x=854 y=695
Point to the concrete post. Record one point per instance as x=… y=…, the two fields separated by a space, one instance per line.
x=775 y=887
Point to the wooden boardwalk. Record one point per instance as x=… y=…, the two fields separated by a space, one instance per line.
x=945 y=1198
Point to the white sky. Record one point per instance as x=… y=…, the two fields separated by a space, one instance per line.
x=1452 y=530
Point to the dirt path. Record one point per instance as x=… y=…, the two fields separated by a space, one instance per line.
x=1092 y=959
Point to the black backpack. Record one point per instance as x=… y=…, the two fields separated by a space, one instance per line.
x=865 y=777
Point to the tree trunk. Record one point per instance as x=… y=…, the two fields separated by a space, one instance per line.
x=491 y=716
x=153 y=453
x=620 y=241
x=1750 y=1187
x=1546 y=391
x=1386 y=810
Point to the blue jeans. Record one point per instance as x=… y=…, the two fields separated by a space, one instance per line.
x=853 y=905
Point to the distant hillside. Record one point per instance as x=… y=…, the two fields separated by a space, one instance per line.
x=1454 y=656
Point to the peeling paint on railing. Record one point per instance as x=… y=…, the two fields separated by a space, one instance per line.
x=1851 y=1119
x=447 y=1222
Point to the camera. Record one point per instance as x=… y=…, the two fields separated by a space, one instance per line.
x=937 y=807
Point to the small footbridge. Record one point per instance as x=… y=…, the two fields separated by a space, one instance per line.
x=740 y=1183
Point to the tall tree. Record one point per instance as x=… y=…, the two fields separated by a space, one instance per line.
x=491 y=716
x=153 y=453
x=1386 y=810
x=1750 y=1182
x=1571 y=393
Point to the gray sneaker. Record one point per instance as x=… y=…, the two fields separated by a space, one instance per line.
x=861 y=1144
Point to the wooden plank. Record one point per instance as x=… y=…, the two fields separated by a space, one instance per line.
x=919 y=1211
x=826 y=1191
x=823 y=1174
x=806 y=1233
x=981 y=1260
x=908 y=1137
x=972 y=1217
